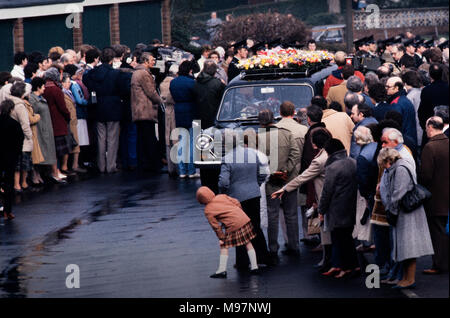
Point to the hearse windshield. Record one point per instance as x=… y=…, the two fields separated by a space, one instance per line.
x=245 y=102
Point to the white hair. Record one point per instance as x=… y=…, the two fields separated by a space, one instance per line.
x=393 y=135
x=363 y=135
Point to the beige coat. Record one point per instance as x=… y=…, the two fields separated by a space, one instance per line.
x=36 y=154
x=169 y=103
x=340 y=126
x=337 y=94
x=288 y=154
x=315 y=172
x=144 y=97
x=20 y=114
x=298 y=131
x=71 y=107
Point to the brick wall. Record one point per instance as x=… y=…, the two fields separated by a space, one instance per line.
x=380 y=34
x=18 y=36
x=166 y=24
x=78 y=32
x=114 y=24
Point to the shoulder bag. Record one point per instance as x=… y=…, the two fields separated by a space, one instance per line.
x=415 y=197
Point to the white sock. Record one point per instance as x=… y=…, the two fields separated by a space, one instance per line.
x=222 y=264
x=252 y=256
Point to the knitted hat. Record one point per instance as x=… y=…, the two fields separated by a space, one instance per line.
x=205 y=195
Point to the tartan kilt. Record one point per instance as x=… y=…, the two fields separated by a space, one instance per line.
x=61 y=146
x=239 y=237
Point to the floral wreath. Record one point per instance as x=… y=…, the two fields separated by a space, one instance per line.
x=290 y=58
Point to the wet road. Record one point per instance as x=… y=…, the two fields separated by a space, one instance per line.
x=145 y=236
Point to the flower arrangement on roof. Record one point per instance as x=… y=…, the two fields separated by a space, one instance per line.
x=290 y=58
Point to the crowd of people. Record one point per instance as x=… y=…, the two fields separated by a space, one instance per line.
x=347 y=160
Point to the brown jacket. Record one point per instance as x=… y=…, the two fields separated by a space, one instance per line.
x=433 y=174
x=222 y=209
x=337 y=94
x=36 y=153
x=144 y=98
x=73 y=124
x=340 y=126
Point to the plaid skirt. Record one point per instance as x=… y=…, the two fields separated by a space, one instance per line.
x=239 y=237
x=61 y=146
x=24 y=163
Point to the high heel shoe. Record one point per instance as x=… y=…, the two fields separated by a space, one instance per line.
x=332 y=272
x=343 y=274
x=8 y=216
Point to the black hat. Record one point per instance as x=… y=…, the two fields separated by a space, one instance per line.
x=360 y=42
x=409 y=42
x=397 y=39
x=420 y=43
x=258 y=47
x=370 y=40
x=241 y=45
x=274 y=43
x=389 y=41
x=443 y=45
x=429 y=44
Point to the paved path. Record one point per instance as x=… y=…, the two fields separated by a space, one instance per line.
x=139 y=236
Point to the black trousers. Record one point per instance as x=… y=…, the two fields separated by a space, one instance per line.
x=440 y=241
x=7 y=184
x=344 y=251
x=252 y=209
x=210 y=178
x=148 y=150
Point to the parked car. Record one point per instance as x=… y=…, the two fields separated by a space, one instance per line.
x=329 y=33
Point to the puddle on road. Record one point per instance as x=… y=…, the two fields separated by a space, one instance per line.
x=13 y=279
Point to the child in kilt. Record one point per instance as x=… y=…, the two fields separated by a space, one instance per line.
x=238 y=228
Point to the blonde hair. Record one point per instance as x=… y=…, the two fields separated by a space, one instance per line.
x=56 y=49
x=388 y=155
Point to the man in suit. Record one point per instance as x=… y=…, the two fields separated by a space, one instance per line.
x=241 y=53
x=435 y=94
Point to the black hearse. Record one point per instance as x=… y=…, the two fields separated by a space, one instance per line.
x=242 y=100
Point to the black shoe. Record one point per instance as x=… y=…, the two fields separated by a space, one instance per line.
x=219 y=275
x=255 y=272
x=56 y=181
x=324 y=268
x=291 y=252
x=68 y=172
x=274 y=259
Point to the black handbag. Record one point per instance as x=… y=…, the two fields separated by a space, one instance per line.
x=415 y=197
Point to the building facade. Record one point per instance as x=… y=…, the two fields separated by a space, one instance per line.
x=38 y=25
